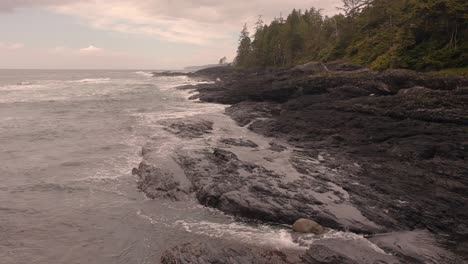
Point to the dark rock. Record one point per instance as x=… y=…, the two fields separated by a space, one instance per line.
x=239 y=142
x=169 y=74
x=277 y=147
x=188 y=127
x=415 y=247
x=222 y=252
x=396 y=142
x=415 y=91
x=222 y=180
x=337 y=251
x=158 y=183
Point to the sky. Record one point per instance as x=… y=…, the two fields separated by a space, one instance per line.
x=130 y=34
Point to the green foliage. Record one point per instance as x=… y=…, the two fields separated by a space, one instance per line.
x=453 y=72
x=244 y=52
x=424 y=35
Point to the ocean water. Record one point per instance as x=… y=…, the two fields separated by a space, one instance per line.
x=68 y=143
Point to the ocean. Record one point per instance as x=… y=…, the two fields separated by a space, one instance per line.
x=68 y=142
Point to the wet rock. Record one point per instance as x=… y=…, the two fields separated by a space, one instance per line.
x=415 y=247
x=277 y=147
x=222 y=180
x=222 y=252
x=408 y=139
x=418 y=90
x=188 y=127
x=307 y=226
x=169 y=74
x=158 y=183
x=251 y=111
x=239 y=142
x=342 y=251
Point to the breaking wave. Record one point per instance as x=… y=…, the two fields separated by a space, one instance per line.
x=145 y=74
x=92 y=81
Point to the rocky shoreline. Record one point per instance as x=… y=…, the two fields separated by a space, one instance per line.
x=378 y=154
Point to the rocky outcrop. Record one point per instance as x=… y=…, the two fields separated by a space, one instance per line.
x=396 y=139
x=354 y=150
x=169 y=74
x=239 y=142
x=415 y=247
x=337 y=251
x=222 y=252
x=418 y=247
x=188 y=127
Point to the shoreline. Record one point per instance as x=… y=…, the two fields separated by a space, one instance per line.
x=375 y=148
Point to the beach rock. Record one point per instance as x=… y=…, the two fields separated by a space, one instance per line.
x=239 y=142
x=342 y=251
x=277 y=147
x=223 y=180
x=307 y=226
x=399 y=154
x=188 y=127
x=417 y=246
x=414 y=91
x=223 y=252
x=169 y=74
x=160 y=183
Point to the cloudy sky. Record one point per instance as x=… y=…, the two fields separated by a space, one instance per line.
x=130 y=34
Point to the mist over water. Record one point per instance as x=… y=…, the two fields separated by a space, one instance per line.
x=68 y=142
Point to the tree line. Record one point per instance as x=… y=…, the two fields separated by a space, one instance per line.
x=414 y=34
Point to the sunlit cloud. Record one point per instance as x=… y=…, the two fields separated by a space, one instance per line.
x=90 y=50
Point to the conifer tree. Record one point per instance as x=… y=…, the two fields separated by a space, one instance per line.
x=244 y=51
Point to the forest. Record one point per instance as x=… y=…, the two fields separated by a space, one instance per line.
x=423 y=35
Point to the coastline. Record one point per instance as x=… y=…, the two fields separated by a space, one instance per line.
x=368 y=152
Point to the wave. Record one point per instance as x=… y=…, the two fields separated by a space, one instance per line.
x=21 y=86
x=24 y=83
x=91 y=80
x=145 y=74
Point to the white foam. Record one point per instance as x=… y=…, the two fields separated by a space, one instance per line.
x=264 y=235
x=145 y=74
x=21 y=87
x=308 y=240
x=92 y=80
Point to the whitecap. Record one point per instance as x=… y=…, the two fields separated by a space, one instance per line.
x=145 y=74
x=92 y=80
x=21 y=87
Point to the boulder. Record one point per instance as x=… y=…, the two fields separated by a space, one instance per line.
x=307 y=226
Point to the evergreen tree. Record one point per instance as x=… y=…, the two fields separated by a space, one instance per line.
x=414 y=34
x=244 y=51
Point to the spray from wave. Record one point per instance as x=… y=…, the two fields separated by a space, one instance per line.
x=92 y=81
x=145 y=74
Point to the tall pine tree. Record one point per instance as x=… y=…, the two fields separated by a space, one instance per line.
x=244 y=52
